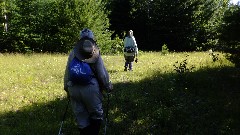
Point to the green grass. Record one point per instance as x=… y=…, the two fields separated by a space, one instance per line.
x=153 y=99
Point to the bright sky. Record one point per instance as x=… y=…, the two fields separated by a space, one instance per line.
x=235 y=1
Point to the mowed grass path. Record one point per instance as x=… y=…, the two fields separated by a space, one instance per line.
x=153 y=99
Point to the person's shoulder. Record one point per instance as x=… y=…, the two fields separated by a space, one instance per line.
x=128 y=38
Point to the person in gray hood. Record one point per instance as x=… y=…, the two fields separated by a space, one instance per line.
x=130 y=51
x=86 y=100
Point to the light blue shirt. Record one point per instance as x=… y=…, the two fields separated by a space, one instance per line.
x=130 y=41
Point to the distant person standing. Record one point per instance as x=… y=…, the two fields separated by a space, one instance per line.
x=130 y=51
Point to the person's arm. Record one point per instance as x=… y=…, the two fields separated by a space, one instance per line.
x=136 y=51
x=125 y=42
x=102 y=75
x=135 y=45
x=66 y=75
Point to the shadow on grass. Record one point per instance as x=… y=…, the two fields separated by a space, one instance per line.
x=202 y=102
x=37 y=119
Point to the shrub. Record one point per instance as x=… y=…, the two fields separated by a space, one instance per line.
x=165 y=49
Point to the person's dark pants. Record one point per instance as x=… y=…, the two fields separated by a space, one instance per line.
x=128 y=62
x=92 y=129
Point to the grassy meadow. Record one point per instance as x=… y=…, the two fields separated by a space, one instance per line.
x=190 y=93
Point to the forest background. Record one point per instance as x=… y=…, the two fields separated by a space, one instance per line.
x=181 y=25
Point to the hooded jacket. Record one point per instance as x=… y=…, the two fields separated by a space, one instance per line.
x=99 y=70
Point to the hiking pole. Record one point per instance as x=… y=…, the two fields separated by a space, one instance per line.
x=64 y=116
x=106 y=119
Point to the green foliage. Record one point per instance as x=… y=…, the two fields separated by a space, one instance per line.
x=207 y=18
x=116 y=46
x=230 y=26
x=54 y=26
x=214 y=55
x=120 y=16
x=184 y=25
x=235 y=58
x=2 y=19
x=165 y=49
x=229 y=31
x=182 y=67
x=91 y=14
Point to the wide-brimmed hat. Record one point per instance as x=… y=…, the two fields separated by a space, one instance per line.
x=86 y=50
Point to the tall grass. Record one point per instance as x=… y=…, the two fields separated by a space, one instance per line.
x=152 y=99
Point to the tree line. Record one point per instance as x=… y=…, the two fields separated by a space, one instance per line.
x=52 y=25
x=181 y=25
